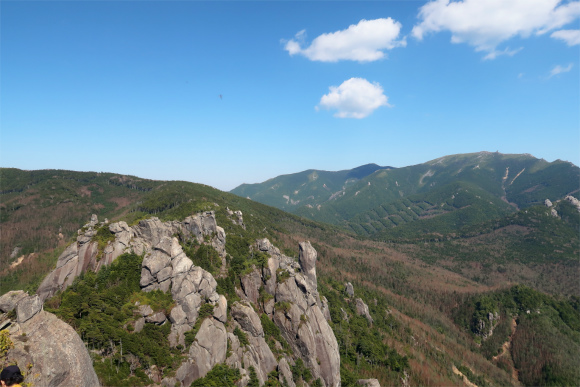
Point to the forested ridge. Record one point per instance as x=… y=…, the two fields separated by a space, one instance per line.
x=430 y=288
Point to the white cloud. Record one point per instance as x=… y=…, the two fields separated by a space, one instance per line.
x=354 y=98
x=485 y=24
x=559 y=70
x=571 y=37
x=363 y=42
x=494 y=54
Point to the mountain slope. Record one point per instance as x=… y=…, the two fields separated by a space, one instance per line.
x=41 y=211
x=413 y=299
x=473 y=184
x=306 y=188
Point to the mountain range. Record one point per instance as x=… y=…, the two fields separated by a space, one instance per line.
x=464 y=189
x=459 y=271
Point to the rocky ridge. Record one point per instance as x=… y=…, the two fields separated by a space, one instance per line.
x=296 y=308
x=293 y=305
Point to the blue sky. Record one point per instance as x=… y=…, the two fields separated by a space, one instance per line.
x=134 y=87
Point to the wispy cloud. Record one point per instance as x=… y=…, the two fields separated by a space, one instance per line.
x=363 y=42
x=571 y=37
x=559 y=70
x=484 y=24
x=494 y=54
x=354 y=98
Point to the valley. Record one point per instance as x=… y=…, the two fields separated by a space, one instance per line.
x=454 y=267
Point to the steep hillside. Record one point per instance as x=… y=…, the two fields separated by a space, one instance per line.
x=464 y=189
x=394 y=311
x=41 y=211
x=538 y=246
x=308 y=188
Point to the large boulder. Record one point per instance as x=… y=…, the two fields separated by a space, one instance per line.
x=9 y=300
x=27 y=308
x=55 y=351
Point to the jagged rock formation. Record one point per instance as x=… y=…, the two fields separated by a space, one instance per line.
x=143 y=238
x=293 y=304
x=349 y=289
x=484 y=327
x=297 y=309
x=238 y=220
x=362 y=309
x=575 y=202
x=208 y=350
x=49 y=349
x=256 y=353
x=77 y=258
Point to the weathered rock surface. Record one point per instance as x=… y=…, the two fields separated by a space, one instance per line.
x=245 y=315
x=547 y=203
x=284 y=373
x=143 y=238
x=56 y=352
x=9 y=300
x=484 y=327
x=303 y=325
x=575 y=202
x=362 y=309
x=251 y=285
x=208 y=349
x=156 y=318
x=256 y=354
x=368 y=382
x=349 y=289
x=307 y=259
x=27 y=308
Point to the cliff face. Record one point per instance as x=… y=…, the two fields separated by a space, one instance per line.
x=47 y=349
x=303 y=324
x=284 y=291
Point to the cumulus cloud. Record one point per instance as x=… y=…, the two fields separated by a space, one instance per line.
x=363 y=42
x=559 y=70
x=354 y=98
x=484 y=24
x=571 y=37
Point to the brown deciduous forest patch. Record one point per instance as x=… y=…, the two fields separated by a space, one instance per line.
x=121 y=201
x=84 y=191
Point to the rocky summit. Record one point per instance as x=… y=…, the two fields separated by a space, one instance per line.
x=233 y=334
